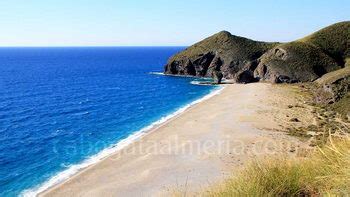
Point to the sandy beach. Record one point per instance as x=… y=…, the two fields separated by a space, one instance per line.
x=202 y=146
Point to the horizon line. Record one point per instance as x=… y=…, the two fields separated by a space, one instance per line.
x=28 y=46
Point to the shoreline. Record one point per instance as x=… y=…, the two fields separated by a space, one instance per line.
x=245 y=117
x=75 y=169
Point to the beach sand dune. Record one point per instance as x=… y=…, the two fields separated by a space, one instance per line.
x=204 y=145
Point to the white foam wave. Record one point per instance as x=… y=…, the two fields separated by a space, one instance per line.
x=186 y=76
x=156 y=73
x=73 y=169
x=201 y=83
x=160 y=73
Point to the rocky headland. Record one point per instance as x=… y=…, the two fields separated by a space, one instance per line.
x=244 y=60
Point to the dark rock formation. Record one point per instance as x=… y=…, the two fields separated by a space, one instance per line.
x=217 y=76
x=183 y=67
x=246 y=74
x=202 y=63
x=215 y=65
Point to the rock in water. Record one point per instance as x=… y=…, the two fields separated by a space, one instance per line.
x=217 y=76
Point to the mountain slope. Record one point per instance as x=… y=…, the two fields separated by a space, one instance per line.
x=334 y=40
x=245 y=60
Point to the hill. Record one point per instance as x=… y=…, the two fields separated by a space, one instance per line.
x=334 y=40
x=222 y=51
x=246 y=60
x=294 y=62
x=308 y=58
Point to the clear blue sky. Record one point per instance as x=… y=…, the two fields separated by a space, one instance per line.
x=160 y=22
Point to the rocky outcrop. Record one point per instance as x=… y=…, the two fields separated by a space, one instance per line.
x=214 y=66
x=217 y=76
x=294 y=62
x=333 y=89
x=246 y=74
x=333 y=86
x=245 y=60
x=308 y=58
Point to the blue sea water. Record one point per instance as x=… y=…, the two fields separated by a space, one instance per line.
x=59 y=106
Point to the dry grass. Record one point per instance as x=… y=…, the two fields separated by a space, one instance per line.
x=325 y=172
x=331 y=77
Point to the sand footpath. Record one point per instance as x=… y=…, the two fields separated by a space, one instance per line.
x=204 y=145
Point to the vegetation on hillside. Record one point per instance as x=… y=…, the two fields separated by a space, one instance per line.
x=347 y=60
x=231 y=54
x=308 y=58
x=342 y=106
x=227 y=45
x=335 y=87
x=297 y=60
x=325 y=172
x=333 y=76
x=333 y=40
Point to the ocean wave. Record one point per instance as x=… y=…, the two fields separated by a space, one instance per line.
x=200 y=83
x=75 y=168
x=187 y=76
x=172 y=75
x=81 y=113
x=156 y=73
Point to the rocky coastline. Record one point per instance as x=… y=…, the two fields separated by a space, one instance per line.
x=244 y=60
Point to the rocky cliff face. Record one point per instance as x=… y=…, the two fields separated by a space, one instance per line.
x=245 y=60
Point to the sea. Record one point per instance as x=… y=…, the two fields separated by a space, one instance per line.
x=65 y=108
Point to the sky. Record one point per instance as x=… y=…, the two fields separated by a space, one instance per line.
x=160 y=22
